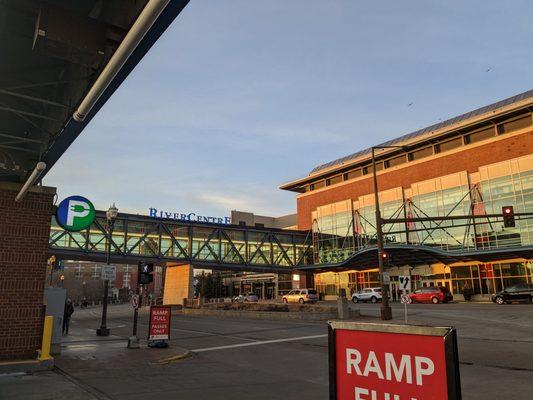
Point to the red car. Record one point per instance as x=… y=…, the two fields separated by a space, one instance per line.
x=431 y=294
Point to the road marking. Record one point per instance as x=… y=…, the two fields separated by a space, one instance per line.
x=232 y=346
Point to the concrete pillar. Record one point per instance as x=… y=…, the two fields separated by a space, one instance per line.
x=24 y=235
x=178 y=284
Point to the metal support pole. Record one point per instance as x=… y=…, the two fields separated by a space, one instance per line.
x=104 y=330
x=386 y=311
x=133 y=341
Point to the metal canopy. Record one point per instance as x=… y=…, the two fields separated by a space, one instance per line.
x=413 y=255
x=52 y=53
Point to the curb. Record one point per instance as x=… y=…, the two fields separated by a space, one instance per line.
x=26 y=366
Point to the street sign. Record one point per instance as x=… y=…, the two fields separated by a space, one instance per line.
x=405 y=282
x=386 y=278
x=109 y=272
x=405 y=299
x=135 y=301
x=159 y=328
x=395 y=362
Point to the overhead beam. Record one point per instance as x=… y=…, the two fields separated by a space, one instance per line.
x=29 y=114
x=32 y=98
x=4 y=146
x=22 y=139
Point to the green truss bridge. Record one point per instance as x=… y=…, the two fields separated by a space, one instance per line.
x=204 y=245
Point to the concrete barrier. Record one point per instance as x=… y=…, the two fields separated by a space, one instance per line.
x=266 y=315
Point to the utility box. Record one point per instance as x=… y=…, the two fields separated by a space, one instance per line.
x=54 y=300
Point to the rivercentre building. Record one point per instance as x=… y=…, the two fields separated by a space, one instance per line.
x=473 y=164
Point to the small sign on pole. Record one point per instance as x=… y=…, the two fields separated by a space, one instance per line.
x=159 y=328
x=405 y=300
x=135 y=301
x=109 y=272
x=405 y=282
x=387 y=361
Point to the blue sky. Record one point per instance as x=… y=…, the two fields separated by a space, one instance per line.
x=239 y=96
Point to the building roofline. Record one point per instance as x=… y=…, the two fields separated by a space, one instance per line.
x=508 y=105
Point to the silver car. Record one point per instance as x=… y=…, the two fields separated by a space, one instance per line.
x=247 y=297
x=369 y=294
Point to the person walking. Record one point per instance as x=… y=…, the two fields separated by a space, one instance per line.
x=69 y=310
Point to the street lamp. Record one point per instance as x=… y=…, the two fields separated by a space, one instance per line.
x=386 y=311
x=111 y=215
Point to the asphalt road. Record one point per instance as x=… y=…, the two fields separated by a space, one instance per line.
x=238 y=358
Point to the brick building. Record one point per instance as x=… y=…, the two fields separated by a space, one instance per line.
x=24 y=233
x=474 y=163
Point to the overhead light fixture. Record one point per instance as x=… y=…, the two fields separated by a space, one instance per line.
x=39 y=168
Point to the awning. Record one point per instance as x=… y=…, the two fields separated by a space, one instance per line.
x=413 y=255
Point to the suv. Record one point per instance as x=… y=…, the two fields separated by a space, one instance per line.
x=301 y=296
x=368 y=294
x=520 y=292
x=431 y=294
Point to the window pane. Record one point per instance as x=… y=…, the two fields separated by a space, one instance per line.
x=481 y=135
x=510 y=126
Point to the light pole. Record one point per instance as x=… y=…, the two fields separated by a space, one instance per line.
x=386 y=311
x=111 y=215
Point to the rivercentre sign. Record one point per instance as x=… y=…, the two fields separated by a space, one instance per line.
x=155 y=213
x=370 y=361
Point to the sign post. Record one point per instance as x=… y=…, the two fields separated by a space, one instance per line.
x=370 y=361
x=405 y=300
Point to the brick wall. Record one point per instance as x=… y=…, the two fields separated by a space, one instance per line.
x=467 y=160
x=24 y=232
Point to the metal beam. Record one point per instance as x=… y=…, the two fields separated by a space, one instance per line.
x=5 y=146
x=29 y=114
x=22 y=139
x=32 y=98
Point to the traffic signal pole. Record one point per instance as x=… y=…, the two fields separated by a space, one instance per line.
x=133 y=341
x=386 y=311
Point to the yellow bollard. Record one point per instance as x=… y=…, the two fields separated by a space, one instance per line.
x=44 y=353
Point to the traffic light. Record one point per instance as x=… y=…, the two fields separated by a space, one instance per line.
x=385 y=257
x=508 y=216
x=145 y=272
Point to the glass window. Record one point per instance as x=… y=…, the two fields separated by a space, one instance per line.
x=353 y=174
x=401 y=159
x=514 y=125
x=449 y=145
x=478 y=136
x=418 y=154
x=334 y=180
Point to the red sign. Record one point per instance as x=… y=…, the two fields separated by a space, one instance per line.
x=159 y=328
x=392 y=362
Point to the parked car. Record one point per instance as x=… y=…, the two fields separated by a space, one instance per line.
x=520 y=292
x=369 y=294
x=431 y=294
x=246 y=297
x=301 y=296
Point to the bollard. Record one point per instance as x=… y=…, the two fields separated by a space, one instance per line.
x=44 y=353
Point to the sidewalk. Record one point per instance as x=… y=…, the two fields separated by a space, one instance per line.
x=83 y=354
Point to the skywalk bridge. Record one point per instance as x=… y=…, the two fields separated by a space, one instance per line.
x=204 y=245
x=417 y=240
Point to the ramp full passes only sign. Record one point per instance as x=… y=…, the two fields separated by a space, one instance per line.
x=392 y=362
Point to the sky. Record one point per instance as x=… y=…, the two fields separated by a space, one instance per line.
x=240 y=96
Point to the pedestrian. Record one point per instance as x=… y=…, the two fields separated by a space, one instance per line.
x=67 y=313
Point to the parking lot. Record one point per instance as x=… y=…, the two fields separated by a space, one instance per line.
x=241 y=358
